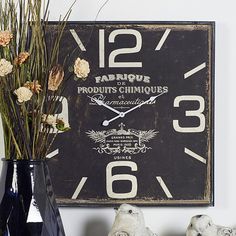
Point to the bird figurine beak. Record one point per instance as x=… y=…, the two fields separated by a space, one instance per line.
x=116 y=209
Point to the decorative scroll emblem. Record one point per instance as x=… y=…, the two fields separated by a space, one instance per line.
x=123 y=141
x=121 y=234
x=226 y=232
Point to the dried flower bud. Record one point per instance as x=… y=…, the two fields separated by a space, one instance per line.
x=5 y=38
x=21 y=58
x=49 y=119
x=81 y=68
x=23 y=94
x=55 y=77
x=62 y=125
x=34 y=86
x=5 y=67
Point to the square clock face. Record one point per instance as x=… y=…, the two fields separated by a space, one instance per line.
x=142 y=122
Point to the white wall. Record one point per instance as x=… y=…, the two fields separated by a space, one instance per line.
x=165 y=220
x=96 y=222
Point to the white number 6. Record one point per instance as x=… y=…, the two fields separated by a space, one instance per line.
x=110 y=179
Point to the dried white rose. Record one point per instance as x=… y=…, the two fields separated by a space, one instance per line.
x=81 y=68
x=5 y=67
x=23 y=94
x=49 y=119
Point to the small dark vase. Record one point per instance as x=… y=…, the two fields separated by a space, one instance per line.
x=27 y=202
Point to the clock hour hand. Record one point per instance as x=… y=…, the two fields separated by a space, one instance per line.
x=107 y=122
x=151 y=99
x=101 y=103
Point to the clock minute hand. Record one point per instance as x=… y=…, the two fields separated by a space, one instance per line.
x=122 y=114
x=151 y=99
x=101 y=103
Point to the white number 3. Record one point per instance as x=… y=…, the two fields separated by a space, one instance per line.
x=194 y=113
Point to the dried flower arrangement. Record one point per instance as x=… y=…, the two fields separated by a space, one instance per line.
x=31 y=80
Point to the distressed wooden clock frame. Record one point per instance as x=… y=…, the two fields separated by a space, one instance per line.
x=143 y=121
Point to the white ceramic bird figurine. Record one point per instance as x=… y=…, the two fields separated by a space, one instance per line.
x=202 y=225
x=129 y=221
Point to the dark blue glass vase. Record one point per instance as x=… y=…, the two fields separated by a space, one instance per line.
x=28 y=206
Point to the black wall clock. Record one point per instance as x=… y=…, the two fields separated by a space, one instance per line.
x=142 y=122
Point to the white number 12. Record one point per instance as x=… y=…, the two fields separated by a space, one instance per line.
x=120 y=51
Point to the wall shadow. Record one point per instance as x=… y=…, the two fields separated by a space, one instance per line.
x=96 y=227
x=169 y=233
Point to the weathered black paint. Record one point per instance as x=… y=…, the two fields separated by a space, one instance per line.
x=189 y=181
